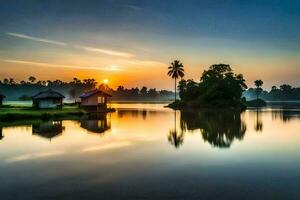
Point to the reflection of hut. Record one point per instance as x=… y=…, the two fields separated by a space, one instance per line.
x=48 y=99
x=98 y=125
x=1 y=99
x=95 y=99
x=1 y=134
x=48 y=130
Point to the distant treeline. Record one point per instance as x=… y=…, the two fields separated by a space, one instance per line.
x=282 y=93
x=23 y=90
x=134 y=94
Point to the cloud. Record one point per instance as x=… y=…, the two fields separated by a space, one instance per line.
x=86 y=48
x=106 y=51
x=134 y=7
x=36 y=39
x=41 y=64
x=144 y=63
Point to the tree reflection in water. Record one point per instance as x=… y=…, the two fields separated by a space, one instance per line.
x=258 y=123
x=286 y=115
x=175 y=138
x=219 y=128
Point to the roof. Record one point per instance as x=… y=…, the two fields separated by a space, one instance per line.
x=92 y=92
x=48 y=94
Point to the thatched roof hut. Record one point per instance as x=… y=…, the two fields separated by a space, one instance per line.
x=48 y=99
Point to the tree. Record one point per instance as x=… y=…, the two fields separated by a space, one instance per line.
x=143 y=91
x=32 y=79
x=285 y=87
x=12 y=81
x=176 y=71
x=219 y=86
x=5 y=81
x=274 y=87
x=258 y=84
x=72 y=94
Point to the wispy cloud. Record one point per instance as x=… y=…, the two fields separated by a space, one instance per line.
x=134 y=7
x=106 y=51
x=37 y=39
x=85 y=48
x=144 y=63
x=42 y=64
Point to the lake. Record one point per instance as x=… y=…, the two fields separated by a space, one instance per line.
x=146 y=151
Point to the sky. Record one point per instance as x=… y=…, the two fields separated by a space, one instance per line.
x=132 y=42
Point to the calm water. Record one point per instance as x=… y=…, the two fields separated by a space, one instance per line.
x=145 y=151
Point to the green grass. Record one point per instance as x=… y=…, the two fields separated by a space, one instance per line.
x=11 y=113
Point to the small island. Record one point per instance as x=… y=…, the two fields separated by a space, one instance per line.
x=219 y=87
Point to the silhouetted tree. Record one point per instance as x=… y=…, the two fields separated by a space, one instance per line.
x=176 y=71
x=258 y=84
x=72 y=94
x=32 y=79
x=12 y=81
x=144 y=91
x=218 y=86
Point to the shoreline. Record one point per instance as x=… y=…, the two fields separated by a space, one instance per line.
x=12 y=113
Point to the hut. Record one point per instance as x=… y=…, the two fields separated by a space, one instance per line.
x=48 y=99
x=1 y=99
x=95 y=99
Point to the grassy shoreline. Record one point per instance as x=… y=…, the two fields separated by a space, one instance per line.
x=12 y=113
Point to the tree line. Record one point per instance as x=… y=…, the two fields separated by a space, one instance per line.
x=284 y=92
x=23 y=90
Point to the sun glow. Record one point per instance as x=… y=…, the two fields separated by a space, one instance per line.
x=105 y=81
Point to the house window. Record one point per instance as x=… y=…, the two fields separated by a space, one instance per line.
x=101 y=100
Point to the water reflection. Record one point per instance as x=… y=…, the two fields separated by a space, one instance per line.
x=1 y=134
x=134 y=113
x=98 y=123
x=48 y=130
x=156 y=146
x=258 y=122
x=219 y=129
x=286 y=115
x=176 y=137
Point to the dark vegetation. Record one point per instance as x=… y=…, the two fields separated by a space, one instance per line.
x=219 y=129
x=256 y=103
x=219 y=87
x=23 y=90
x=282 y=93
x=176 y=71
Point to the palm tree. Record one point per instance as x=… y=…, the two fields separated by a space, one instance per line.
x=32 y=79
x=258 y=84
x=175 y=71
x=175 y=138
